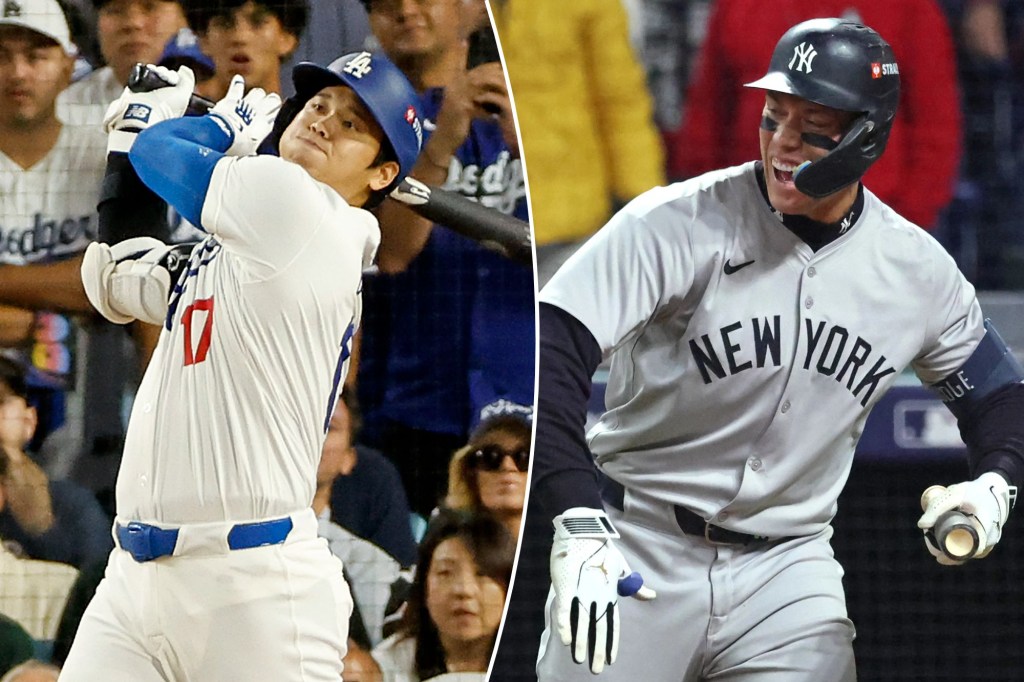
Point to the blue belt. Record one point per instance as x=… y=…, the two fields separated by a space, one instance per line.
x=145 y=542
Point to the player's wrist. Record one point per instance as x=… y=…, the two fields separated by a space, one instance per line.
x=121 y=141
x=584 y=522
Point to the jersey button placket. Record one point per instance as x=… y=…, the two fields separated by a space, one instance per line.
x=754 y=463
x=785 y=407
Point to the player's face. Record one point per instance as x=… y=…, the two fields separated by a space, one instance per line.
x=250 y=42
x=794 y=130
x=464 y=604
x=409 y=29
x=502 y=490
x=336 y=139
x=33 y=71
x=133 y=31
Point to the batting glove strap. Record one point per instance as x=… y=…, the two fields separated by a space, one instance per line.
x=245 y=118
x=582 y=522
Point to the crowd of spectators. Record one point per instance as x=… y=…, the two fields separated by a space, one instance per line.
x=446 y=354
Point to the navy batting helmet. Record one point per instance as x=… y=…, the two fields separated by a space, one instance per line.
x=847 y=66
x=380 y=85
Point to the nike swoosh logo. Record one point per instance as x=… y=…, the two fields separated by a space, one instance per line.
x=730 y=268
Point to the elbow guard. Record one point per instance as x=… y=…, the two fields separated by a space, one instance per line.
x=131 y=280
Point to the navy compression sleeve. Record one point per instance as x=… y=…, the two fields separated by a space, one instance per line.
x=176 y=158
x=564 y=474
x=994 y=433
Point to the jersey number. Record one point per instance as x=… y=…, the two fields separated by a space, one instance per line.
x=196 y=353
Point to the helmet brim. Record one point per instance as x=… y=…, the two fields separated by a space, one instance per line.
x=773 y=81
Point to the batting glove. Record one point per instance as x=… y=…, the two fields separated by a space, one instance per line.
x=986 y=501
x=133 y=112
x=132 y=279
x=589 y=574
x=247 y=119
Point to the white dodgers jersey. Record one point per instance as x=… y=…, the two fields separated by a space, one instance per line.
x=48 y=211
x=743 y=363
x=230 y=417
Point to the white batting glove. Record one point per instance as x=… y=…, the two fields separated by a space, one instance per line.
x=986 y=501
x=589 y=574
x=133 y=112
x=246 y=119
x=130 y=280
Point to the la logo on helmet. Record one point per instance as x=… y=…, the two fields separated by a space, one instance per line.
x=359 y=66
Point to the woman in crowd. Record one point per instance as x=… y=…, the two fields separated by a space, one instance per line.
x=489 y=474
x=451 y=619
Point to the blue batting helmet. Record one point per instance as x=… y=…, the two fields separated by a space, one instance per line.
x=382 y=87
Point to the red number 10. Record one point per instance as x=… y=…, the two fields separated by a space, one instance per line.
x=199 y=354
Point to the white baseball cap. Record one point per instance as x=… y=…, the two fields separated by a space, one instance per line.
x=42 y=16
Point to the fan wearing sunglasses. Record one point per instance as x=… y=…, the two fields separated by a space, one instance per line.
x=489 y=473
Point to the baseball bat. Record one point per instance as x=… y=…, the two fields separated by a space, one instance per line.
x=956 y=533
x=491 y=229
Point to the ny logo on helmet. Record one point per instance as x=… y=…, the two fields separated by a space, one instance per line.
x=803 y=55
x=360 y=65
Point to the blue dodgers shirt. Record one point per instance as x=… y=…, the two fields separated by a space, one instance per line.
x=455 y=331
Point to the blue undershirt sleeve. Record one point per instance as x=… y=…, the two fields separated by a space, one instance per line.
x=176 y=158
x=564 y=474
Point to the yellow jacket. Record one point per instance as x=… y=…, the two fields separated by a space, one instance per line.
x=586 y=127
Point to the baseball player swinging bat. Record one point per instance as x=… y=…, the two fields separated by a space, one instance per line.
x=492 y=229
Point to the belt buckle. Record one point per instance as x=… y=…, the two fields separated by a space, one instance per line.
x=141 y=541
x=707 y=535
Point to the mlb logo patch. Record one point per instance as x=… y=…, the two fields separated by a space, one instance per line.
x=137 y=112
x=876 y=70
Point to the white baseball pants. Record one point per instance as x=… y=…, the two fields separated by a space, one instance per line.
x=277 y=612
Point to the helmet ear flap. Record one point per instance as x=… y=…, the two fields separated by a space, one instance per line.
x=289 y=110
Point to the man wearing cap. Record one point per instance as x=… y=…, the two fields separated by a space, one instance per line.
x=51 y=175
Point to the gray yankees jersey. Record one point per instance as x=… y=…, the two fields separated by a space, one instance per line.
x=743 y=363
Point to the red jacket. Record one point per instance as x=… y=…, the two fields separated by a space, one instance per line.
x=916 y=173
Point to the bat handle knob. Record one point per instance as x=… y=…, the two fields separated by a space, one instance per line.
x=956 y=534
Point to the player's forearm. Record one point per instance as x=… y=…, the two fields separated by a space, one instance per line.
x=127 y=207
x=994 y=434
x=50 y=286
x=176 y=159
x=16 y=325
x=27 y=493
x=564 y=474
